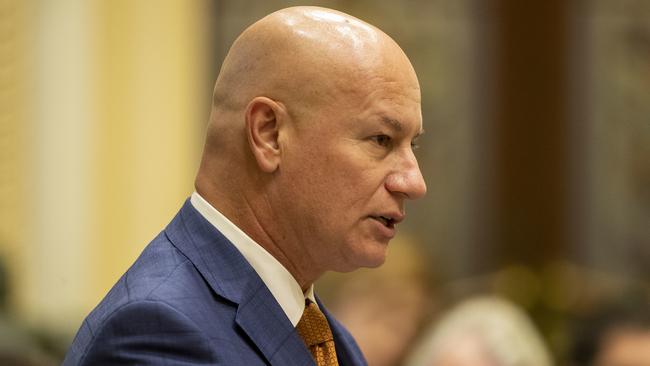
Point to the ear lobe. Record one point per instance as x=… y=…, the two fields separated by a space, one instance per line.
x=262 y=129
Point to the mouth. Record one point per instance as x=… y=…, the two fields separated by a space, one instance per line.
x=388 y=222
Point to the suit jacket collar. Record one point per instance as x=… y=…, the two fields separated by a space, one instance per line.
x=229 y=275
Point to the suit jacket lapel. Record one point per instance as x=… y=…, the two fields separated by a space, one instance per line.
x=231 y=276
x=260 y=316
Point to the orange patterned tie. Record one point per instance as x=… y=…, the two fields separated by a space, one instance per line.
x=317 y=335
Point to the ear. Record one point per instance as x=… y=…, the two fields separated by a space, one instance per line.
x=263 y=118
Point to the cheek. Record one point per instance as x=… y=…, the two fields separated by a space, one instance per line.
x=334 y=185
x=311 y=192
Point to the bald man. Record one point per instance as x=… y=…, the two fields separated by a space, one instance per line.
x=307 y=166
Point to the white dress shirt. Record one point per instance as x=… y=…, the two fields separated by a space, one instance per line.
x=280 y=282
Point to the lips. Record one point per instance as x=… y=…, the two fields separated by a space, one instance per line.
x=386 y=221
x=389 y=220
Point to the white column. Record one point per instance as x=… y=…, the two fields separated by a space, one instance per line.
x=55 y=268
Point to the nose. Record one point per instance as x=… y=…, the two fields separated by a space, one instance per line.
x=407 y=180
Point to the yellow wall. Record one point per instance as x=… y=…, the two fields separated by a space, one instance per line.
x=98 y=143
x=149 y=102
x=14 y=131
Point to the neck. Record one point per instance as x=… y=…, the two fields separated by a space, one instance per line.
x=254 y=216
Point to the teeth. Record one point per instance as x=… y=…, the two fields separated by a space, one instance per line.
x=384 y=220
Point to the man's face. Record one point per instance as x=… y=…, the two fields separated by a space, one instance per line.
x=348 y=169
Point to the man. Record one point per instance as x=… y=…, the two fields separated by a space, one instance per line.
x=307 y=165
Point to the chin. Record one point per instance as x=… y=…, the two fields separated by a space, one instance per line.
x=369 y=257
x=375 y=263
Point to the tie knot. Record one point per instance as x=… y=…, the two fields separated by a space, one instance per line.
x=313 y=327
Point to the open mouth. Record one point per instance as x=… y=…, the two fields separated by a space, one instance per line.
x=386 y=221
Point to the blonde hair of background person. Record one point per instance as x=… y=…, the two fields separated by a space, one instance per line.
x=482 y=331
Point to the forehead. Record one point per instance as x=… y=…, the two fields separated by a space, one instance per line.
x=394 y=104
x=377 y=90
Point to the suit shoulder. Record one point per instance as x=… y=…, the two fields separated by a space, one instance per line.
x=159 y=262
x=159 y=300
x=141 y=332
x=160 y=266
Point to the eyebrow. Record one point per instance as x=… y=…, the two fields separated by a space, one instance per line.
x=396 y=125
x=392 y=123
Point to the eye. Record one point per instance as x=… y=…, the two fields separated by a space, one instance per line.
x=381 y=140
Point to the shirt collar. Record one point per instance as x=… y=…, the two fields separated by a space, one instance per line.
x=283 y=286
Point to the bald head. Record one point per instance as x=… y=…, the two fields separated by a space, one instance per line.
x=304 y=56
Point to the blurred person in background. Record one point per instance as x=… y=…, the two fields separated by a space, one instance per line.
x=615 y=335
x=307 y=166
x=384 y=308
x=482 y=331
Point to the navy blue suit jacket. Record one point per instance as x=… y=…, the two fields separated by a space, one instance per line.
x=192 y=299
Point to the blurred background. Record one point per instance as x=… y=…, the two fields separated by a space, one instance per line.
x=536 y=156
